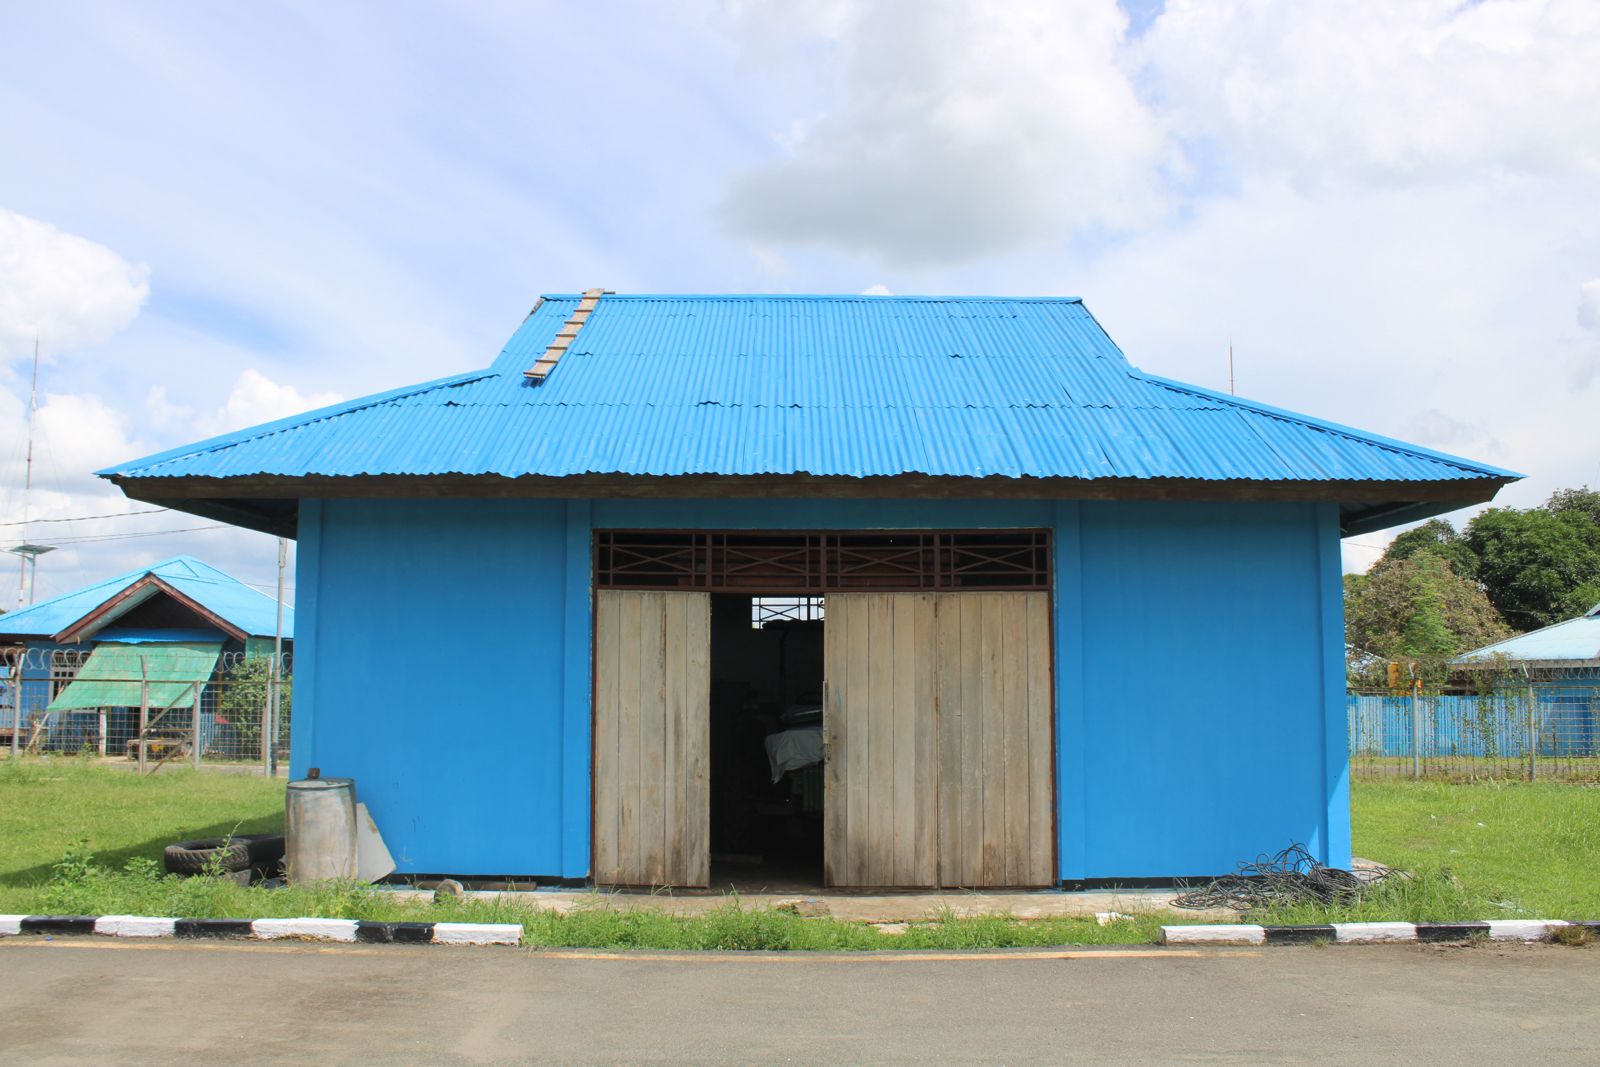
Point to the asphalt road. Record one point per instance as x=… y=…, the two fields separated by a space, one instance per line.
x=78 y=1001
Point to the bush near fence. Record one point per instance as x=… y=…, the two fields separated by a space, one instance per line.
x=219 y=720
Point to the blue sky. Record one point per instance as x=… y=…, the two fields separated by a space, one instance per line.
x=220 y=214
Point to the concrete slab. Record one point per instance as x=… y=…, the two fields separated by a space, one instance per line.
x=860 y=907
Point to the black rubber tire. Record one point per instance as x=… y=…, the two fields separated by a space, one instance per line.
x=196 y=857
x=266 y=850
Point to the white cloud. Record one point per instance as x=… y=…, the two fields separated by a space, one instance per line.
x=961 y=129
x=1441 y=317
x=1421 y=90
x=877 y=289
x=62 y=289
x=255 y=398
x=1589 y=305
x=93 y=525
x=82 y=433
x=160 y=409
x=966 y=129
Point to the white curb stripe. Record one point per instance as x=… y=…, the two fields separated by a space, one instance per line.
x=134 y=926
x=11 y=925
x=477 y=934
x=314 y=929
x=1221 y=934
x=1369 y=933
x=1522 y=929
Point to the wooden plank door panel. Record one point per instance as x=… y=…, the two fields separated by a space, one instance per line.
x=652 y=723
x=996 y=740
x=880 y=774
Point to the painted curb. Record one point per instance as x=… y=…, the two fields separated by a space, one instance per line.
x=1374 y=933
x=307 y=929
x=1366 y=933
x=477 y=934
x=336 y=930
x=1229 y=934
x=1522 y=929
x=135 y=926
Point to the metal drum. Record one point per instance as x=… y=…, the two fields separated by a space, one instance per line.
x=320 y=827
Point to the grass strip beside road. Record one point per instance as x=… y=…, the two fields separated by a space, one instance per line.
x=83 y=839
x=140 y=889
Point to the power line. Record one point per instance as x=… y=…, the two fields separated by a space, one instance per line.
x=86 y=518
x=129 y=536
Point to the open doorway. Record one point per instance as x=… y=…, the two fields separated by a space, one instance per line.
x=766 y=743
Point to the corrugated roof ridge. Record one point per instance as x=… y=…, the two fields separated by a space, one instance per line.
x=863 y=297
x=1348 y=432
x=305 y=418
x=211 y=576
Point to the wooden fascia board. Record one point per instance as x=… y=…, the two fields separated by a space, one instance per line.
x=138 y=592
x=1460 y=492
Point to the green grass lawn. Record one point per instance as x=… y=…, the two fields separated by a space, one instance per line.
x=77 y=838
x=1504 y=849
x=49 y=807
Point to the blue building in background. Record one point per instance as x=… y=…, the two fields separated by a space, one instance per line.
x=175 y=620
x=1016 y=562
x=1560 y=667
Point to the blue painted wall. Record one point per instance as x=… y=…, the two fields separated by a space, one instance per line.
x=1195 y=713
x=443 y=660
x=430 y=669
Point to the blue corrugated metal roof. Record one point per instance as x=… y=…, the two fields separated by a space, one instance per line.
x=1574 y=641
x=250 y=610
x=828 y=386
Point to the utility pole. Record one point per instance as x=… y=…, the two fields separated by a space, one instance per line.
x=1230 y=368
x=277 y=664
x=28 y=554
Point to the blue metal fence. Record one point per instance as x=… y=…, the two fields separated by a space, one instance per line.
x=1532 y=731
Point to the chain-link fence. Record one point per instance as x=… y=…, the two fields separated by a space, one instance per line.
x=1531 y=730
x=147 y=707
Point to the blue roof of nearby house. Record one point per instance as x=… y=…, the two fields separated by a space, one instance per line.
x=248 y=609
x=1575 y=642
x=831 y=386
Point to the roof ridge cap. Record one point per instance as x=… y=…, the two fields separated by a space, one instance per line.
x=863 y=297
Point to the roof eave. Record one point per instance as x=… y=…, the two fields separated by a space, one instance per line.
x=270 y=503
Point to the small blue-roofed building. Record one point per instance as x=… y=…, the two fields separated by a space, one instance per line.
x=1571 y=648
x=1560 y=667
x=845 y=591
x=180 y=615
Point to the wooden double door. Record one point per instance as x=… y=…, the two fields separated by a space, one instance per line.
x=938 y=739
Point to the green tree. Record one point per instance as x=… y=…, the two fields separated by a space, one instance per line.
x=243 y=695
x=1584 y=501
x=1418 y=608
x=1540 y=565
x=1438 y=537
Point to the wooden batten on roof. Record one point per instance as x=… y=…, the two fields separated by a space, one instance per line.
x=564 y=337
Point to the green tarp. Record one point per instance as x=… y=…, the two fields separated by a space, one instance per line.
x=111 y=677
